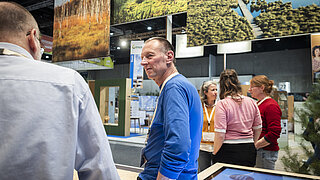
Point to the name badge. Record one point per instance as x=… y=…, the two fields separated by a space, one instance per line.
x=208 y=136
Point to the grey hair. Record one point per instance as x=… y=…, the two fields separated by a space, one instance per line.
x=204 y=88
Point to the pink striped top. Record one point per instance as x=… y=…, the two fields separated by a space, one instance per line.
x=237 y=119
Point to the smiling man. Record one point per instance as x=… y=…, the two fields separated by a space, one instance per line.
x=174 y=138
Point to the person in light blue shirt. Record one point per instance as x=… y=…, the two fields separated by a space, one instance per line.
x=49 y=122
x=174 y=139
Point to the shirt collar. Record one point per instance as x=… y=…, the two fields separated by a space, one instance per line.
x=15 y=48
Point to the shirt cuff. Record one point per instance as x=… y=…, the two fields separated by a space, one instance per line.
x=220 y=130
x=257 y=127
x=265 y=138
x=168 y=173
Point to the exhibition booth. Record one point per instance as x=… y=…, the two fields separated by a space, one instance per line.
x=209 y=36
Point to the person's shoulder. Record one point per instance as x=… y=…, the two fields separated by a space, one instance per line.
x=272 y=104
x=249 y=101
x=271 y=101
x=224 y=101
x=179 y=81
x=247 y=98
x=56 y=74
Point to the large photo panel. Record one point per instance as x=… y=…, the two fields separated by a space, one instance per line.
x=81 y=29
x=132 y=10
x=223 y=21
x=315 y=55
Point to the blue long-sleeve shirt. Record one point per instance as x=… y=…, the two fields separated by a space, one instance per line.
x=175 y=135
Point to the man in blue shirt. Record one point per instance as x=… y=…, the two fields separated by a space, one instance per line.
x=174 y=139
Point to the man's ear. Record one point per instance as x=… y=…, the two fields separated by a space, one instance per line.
x=170 y=55
x=32 y=41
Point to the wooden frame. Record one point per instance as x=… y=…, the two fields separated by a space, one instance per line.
x=123 y=127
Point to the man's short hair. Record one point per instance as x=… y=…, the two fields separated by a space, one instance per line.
x=166 y=45
x=15 y=19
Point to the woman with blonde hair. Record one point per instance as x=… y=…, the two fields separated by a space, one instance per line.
x=267 y=145
x=237 y=123
x=208 y=95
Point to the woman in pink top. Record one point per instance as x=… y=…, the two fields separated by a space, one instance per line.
x=237 y=123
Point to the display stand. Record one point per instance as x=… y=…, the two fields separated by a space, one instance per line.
x=135 y=119
x=113 y=100
x=282 y=99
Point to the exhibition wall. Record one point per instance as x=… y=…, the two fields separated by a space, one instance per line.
x=292 y=66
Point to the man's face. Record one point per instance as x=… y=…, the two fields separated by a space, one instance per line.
x=154 y=60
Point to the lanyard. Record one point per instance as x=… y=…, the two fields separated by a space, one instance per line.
x=11 y=53
x=260 y=102
x=209 y=117
x=164 y=83
x=155 y=110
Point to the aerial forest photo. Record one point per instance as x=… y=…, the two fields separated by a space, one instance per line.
x=281 y=18
x=81 y=29
x=214 y=21
x=133 y=10
x=220 y=21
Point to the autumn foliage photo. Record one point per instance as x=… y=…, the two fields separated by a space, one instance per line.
x=81 y=29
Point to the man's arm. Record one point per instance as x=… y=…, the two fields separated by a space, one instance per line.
x=93 y=154
x=177 y=144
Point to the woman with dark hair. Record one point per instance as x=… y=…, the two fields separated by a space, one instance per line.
x=267 y=145
x=316 y=58
x=208 y=96
x=237 y=123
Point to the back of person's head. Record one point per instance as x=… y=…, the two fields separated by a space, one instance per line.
x=15 y=21
x=262 y=80
x=204 y=88
x=229 y=83
x=167 y=46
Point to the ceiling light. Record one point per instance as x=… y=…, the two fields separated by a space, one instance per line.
x=277 y=39
x=149 y=28
x=118 y=47
x=123 y=43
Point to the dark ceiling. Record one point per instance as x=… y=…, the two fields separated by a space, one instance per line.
x=43 y=12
